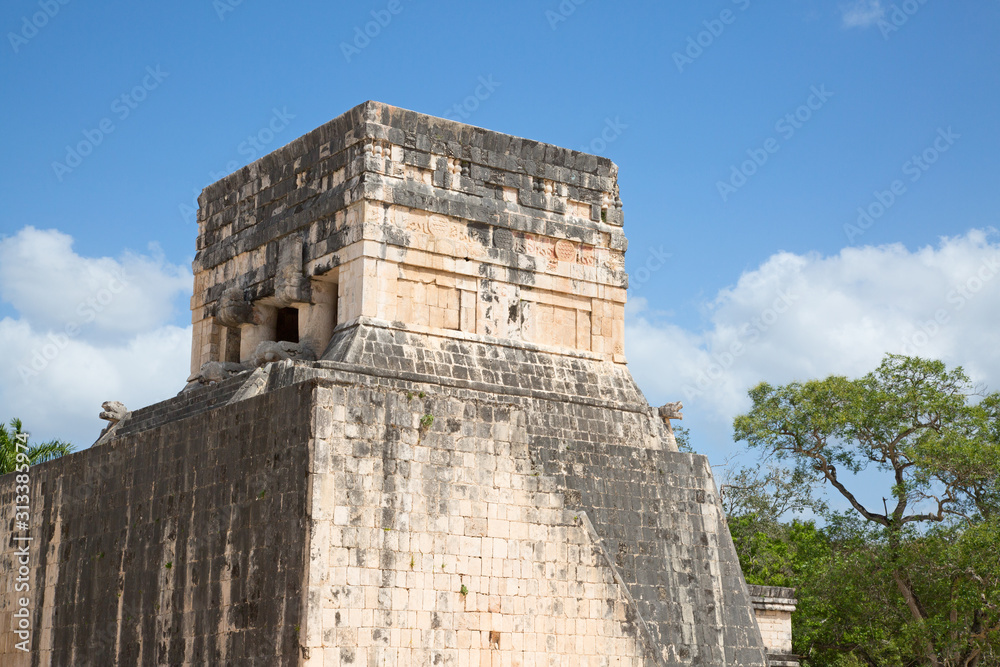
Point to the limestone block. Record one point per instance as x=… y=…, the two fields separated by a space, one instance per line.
x=263 y=329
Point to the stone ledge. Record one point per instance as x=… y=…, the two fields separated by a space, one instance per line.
x=377 y=120
x=468 y=337
x=419 y=378
x=772 y=591
x=772 y=598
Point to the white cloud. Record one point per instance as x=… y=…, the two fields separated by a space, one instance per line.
x=52 y=287
x=862 y=13
x=798 y=317
x=794 y=317
x=87 y=330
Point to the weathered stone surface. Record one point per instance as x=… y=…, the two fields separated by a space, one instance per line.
x=269 y=351
x=670 y=411
x=773 y=607
x=113 y=411
x=177 y=545
x=468 y=475
x=499 y=487
x=412 y=219
x=233 y=309
x=216 y=371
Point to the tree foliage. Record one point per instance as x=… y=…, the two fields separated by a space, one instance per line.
x=682 y=437
x=36 y=453
x=912 y=581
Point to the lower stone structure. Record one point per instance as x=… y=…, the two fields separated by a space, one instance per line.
x=773 y=607
x=181 y=544
x=334 y=513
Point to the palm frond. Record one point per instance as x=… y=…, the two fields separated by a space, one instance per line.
x=48 y=451
x=38 y=453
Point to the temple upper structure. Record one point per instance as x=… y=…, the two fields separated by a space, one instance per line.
x=391 y=219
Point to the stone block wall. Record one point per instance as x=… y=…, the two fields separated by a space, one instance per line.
x=773 y=606
x=435 y=541
x=654 y=511
x=436 y=224
x=776 y=630
x=358 y=516
x=178 y=544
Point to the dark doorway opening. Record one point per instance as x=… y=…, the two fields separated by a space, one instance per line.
x=233 y=337
x=287 y=329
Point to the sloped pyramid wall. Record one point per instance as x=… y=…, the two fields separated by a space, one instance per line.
x=349 y=517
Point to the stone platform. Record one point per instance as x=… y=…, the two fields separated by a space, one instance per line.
x=336 y=513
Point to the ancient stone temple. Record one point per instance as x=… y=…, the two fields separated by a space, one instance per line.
x=409 y=437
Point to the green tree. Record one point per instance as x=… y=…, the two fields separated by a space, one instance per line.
x=757 y=503
x=683 y=438
x=35 y=453
x=919 y=558
x=775 y=550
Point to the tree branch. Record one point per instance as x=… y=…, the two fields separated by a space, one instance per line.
x=830 y=473
x=916 y=610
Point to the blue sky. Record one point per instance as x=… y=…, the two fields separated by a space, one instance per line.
x=691 y=90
